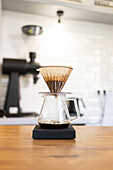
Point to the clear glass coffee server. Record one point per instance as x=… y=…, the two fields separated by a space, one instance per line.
x=54 y=112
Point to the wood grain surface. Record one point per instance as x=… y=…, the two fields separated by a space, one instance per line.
x=92 y=150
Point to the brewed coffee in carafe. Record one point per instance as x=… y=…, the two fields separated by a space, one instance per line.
x=54 y=112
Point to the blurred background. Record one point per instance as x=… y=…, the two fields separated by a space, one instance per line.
x=82 y=39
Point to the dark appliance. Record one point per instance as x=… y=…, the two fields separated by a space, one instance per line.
x=72 y=109
x=14 y=68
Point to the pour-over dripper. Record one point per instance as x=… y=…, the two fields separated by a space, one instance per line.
x=55 y=76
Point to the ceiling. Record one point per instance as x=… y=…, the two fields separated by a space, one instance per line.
x=73 y=12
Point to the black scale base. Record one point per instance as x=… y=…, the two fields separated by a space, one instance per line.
x=66 y=133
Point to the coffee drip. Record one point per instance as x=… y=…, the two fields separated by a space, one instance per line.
x=55 y=77
x=55 y=86
x=54 y=113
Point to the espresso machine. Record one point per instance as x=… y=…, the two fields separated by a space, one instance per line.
x=15 y=68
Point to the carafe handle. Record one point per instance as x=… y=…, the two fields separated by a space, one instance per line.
x=76 y=107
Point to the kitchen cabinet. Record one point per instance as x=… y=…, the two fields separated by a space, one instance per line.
x=99 y=11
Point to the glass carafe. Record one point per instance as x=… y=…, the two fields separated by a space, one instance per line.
x=54 y=112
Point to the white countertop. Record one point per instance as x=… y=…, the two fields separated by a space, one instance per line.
x=30 y=121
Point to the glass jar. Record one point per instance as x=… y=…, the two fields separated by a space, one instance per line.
x=54 y=112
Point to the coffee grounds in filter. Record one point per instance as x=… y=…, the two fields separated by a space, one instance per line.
x=55 y=76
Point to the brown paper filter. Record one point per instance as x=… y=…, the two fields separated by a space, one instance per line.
x=55 y=76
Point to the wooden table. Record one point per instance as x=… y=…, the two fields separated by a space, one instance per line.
x=92 y=149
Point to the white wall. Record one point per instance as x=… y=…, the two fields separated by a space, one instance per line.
x=88 y=47
x=0 y=22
